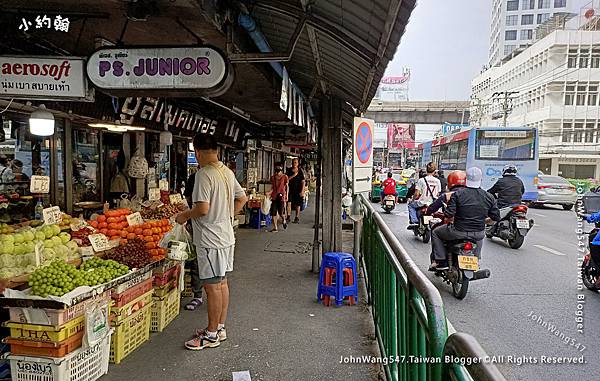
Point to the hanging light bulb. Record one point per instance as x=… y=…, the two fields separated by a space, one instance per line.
x=41 y=122
x=166 y=137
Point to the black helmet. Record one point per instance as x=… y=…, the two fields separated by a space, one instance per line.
x=509 y=170
x=422 y=173
x=390 y=175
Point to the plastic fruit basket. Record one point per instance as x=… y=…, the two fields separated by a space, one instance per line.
x=118 y=314
x=47 y=316
x=46 y=333
x=161 y=279
x=132 y=293
x=130 y=334
x=164 y=310
x=37 y=348
x=81 y=365
x=161 y=292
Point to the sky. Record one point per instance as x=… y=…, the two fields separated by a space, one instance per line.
x=445 y=46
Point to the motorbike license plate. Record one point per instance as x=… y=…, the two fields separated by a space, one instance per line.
x=426 y=219
x=522 y=224
x=467 y=262
x=389 y=203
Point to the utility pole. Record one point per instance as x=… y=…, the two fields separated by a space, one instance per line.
x=506 y=103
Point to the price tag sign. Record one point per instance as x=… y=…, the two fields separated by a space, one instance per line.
x=175 y=198
x=86 y=251
x=135 y=219
x=40 y=184
x=99 y=242
x=163 y=185
x=52 y=215
x=153 y=194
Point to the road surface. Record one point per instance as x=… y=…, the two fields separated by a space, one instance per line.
x=538 y=279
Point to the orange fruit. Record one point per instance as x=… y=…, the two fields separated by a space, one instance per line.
x=103 y=231
x=156 y=237
x=93 y=224
x=123 y=242
x=138 y=231
x=130 y=236
x=150 y=245
x=148 y=238
x=154 y=252
x=162 y=251
x=101 y=218
x=102 y=225
x=140 y=236
x=123 y=233
x=113 y=232
x=114 y=237
x=148 y=232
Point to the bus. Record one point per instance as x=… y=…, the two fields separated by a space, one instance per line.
x=490 y=149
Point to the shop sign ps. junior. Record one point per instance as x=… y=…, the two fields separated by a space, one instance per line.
x=157 y=68
x=29 y=77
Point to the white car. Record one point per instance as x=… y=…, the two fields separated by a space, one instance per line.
x=556 y=190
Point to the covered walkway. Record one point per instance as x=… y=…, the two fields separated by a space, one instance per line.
x=271 y=328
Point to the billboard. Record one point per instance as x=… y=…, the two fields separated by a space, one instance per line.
x=394 y=88
x=400 y=136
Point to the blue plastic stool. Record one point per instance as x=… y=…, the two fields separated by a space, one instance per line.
x=337 y=262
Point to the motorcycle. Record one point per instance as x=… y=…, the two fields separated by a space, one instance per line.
x=512 y=227
x=463 y=264
x=389 y=203
x=590 y=270
x=424 y=228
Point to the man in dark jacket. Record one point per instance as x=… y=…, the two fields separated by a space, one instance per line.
x=443 y=181
x=469 y=207
x=509 y=189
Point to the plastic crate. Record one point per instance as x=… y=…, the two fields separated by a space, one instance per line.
x=119 y=289
x=81 y=365
x=166 y=265
x=187 y=281
x=132 y=293
x=46 y=333
x=130 y=334
x=46 y=316
x=164 y=311
x=36 y=348
x=161 y=279
x=118 y=314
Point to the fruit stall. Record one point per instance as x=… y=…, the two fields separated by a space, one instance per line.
x=83 y=293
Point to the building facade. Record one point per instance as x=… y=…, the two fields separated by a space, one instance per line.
x=514 y=22
x=554 y=86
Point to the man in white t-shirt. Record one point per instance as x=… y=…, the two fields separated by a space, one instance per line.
x=217 y=198
x=427 y=190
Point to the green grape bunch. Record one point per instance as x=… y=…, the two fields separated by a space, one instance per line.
x=59 y=278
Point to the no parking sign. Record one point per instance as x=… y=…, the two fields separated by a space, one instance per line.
x=362 y=163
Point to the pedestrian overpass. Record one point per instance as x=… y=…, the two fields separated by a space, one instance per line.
x=419 y=112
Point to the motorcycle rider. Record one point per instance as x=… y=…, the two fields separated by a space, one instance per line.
x=509 y=188
x=469 y=207
x=389 y=188
x=456 y=180
x=427 y=190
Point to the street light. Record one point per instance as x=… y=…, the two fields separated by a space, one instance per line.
x=41 y=122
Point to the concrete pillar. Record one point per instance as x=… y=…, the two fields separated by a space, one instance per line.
x=554 y=166
x=331 y=121
x=597 y=172
x=140 y=184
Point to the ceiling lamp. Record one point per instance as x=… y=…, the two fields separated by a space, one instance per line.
x=41 y=122
x=191 y=146
x=166 y=137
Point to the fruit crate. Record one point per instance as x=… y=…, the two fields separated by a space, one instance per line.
x=46 y=333
x=121 y=288
x=87 y=364
x=36 y=348
x=161 y=279
x=118 y=314
x=166 y=265
x=164 y=311
x=132 y=293
x=161 y=292
x=56 y=317
x=187 y=281
x=130 y=334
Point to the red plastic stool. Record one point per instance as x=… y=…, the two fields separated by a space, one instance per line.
x=348 y=281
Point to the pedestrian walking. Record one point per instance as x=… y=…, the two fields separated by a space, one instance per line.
x=297 y=188
x=279 y=193
x=217 y=198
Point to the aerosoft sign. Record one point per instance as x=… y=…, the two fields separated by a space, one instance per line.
x=157 y=68
x=28 y=77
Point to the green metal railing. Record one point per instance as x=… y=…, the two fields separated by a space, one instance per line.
x=408 y=310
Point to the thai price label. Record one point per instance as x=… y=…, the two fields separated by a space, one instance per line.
x=135 y=219
x=163 y=185
x=39 y=184
x=52 y=215
x=86 y=251
x=99 y=242
x=175 y=198
x=153 y=194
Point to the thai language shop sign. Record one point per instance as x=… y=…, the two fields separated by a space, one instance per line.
x=157 y=68
x=26 y=77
